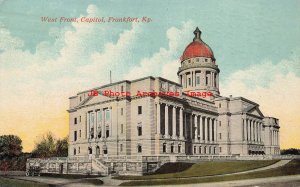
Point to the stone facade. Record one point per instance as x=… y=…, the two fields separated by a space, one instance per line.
x=129 y=123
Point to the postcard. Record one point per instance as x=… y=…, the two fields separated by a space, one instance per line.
x=149 y=93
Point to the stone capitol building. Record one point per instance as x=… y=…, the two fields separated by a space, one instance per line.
x=136 y=134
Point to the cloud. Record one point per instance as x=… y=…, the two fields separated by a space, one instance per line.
x=7 y=41
x=35 y=87
x=165 y=62
x=275 y=87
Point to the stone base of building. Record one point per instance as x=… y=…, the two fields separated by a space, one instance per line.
x=126 y=165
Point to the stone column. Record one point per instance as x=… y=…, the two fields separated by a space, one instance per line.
x=201 y=129
x=257 y=132
x=205 y=130
x=213 y=79
x=215 y=130
x=191 y=126
x=95 y=124
x=211 y=132
x=167 y=121
x=196 y=128
x=248 y=133
x=245 y=130
x=254 y=131
x=103 y=124
x=278 y=138
x=181 y=124
x=195 y=78
x=217 y=81
x=174 y=123
x=251 y=130
x=158 y=118
x=88 y=125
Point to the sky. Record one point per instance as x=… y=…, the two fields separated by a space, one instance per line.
x=255 y=43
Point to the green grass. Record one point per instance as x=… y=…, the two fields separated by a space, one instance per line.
x=203 y=169
x=4 y=181
x=292 y=168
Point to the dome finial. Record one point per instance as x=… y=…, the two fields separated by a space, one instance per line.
x=197 y=33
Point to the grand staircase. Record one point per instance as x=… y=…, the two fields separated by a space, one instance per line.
x=99 y=168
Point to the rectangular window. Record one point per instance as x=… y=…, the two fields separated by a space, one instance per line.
x=107 y=115
x=198 y=80
x=75 y=121
x=139 y=148
x=121 y=111
x=107 y=133
x=220 y=124
x=220 y=149
x=164 y=148
x=122 y=89
x=75 y=136
x=189 y=81
x=140 y=110
x=99 y=117
x=139 y=128
x=179 y=148
x=79 y=133
x=121 y=147
x=220 y=136
x=79 y=118
x=91 y=119
x=121 y=128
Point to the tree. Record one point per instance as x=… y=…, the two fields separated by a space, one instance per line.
x=290 y=151
x=10 y=146
x=45 y=147
x=62 y=147
x=49 y=146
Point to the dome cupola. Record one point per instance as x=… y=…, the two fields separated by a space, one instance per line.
x=198 y=71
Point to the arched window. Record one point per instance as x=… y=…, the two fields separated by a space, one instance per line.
x=172 y=148
x=205 y=150
x=97 y=150
x=105 y=151
x=200 y=151
x=78 y=149
x=90 y=150
x=74 y=151
x=195 y=149
x=179 y=148
x=215 y=150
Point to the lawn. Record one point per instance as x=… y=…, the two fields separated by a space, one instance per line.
x=292 y=168
x=201 y=169
x=4 y=181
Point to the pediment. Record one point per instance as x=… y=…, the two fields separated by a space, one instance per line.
x=254 y=111
x=95 y=99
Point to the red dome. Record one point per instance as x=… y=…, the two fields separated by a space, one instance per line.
x=197 y=48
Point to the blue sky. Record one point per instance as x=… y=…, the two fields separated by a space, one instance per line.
x=241 y=33
x=256 y=44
